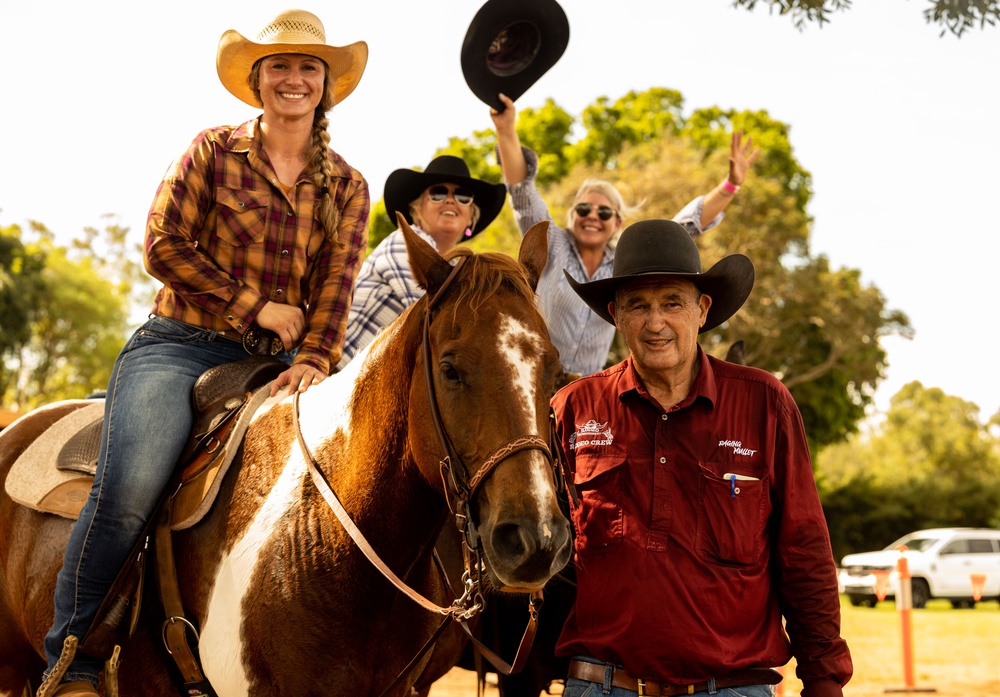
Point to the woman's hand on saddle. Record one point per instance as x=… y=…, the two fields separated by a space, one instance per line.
x=287 y=321
x=741 y=156
x=298 y=378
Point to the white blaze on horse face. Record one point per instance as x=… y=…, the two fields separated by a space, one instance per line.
x=522 y=348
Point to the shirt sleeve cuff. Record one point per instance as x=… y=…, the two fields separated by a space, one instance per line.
x=245 y=306
x=690 y=217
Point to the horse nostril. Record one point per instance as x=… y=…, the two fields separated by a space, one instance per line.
x=512 y=541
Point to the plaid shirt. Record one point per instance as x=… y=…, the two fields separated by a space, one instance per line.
x=225 y=239
x=581 y=336
x=385 y=288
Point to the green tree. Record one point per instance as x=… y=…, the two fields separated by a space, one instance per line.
x=956 y=16
x=930 y=463
x=76 y=321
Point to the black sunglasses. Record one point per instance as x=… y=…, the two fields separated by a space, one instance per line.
x=603 y=212
x=439 y=193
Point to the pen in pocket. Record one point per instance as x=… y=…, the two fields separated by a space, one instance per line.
x=733 y=478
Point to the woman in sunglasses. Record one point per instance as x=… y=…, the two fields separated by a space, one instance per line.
x=583 y=248
x=445 y=205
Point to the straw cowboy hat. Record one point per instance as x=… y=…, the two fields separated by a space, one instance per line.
x=510 y=44
x=663 y=248
x=405 y=185
x=292 y=31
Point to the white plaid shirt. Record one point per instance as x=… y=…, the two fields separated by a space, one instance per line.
x=581 y=336
x=384 y=288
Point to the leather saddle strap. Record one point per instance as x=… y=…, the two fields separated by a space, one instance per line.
x=176 y=626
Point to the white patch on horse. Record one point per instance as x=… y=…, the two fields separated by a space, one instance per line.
x=522 y=349
x=221 y=644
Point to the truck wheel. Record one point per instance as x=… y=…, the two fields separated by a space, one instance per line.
x=920 y=592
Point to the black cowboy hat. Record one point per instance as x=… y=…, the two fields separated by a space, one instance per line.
x=405 y=185
x=655 y=248
x=510 y=44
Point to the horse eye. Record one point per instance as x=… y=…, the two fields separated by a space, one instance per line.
x=449 y=372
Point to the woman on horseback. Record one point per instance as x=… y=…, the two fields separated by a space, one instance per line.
x=256 y=233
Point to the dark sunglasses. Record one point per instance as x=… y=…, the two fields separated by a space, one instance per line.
x=439 y=193
x=603 y=212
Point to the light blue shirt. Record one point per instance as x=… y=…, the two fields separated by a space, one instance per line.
x=581 y=336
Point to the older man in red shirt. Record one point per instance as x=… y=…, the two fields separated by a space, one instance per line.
x=698 y=525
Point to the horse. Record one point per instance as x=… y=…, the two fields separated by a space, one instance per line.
x=280 y=596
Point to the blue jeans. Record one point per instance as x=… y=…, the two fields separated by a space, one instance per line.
x=147 y=421
x=584 y=688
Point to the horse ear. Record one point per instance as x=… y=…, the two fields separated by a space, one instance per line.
x=535 y=251
x=429 y=268
x=736 y=353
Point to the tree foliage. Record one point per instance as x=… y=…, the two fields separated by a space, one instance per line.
x=930 y=463
x=65 y=311
x=956 y=16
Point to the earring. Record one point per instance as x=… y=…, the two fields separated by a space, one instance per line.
x=468 y=232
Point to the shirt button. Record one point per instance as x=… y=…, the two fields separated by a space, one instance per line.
x=279 y=291
x=284 y=252
x=239 y=326
x=663 y=460
x=289 y=214
x=229 y=317
x=663 y=416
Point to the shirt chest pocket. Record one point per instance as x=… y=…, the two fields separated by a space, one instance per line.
x=732 y=511
x=598 y=517
x=242 y=215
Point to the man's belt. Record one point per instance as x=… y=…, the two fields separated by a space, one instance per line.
x=594 y=672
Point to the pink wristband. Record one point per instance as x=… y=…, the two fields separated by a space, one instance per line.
x=729 y=187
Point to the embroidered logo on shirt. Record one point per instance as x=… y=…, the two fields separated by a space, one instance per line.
x=737 y=447
x=591 y=433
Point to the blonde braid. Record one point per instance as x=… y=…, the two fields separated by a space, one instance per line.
x=322 y=175
x=322 y=169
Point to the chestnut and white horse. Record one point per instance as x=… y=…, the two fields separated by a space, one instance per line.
x=284 y=601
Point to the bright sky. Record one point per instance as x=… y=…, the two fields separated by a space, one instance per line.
x=897 y=125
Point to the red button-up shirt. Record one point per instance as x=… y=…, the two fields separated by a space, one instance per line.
x=698 y=529
x=225 y=238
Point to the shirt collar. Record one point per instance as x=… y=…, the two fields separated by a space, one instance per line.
x=704 y=383
x=245 y=138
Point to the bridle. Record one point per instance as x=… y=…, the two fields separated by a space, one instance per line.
x=459 y=490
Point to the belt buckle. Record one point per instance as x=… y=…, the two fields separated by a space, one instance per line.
x=261 y=342
x=642 y=687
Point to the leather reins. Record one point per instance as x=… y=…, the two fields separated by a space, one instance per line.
x=459 y=489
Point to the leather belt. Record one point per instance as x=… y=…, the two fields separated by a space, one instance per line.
x=594 y=672
x=255 y=341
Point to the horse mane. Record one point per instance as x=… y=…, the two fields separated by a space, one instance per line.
x=485 y=274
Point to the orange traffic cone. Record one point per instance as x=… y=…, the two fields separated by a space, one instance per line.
x=978 y=581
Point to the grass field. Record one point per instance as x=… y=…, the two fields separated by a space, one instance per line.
x=956 y=653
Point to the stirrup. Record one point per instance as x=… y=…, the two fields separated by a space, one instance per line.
x=55 y=676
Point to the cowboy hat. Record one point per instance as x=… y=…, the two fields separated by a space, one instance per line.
x=404 y=186
x=510 y=44
x=663 y=248
x=292 y=31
